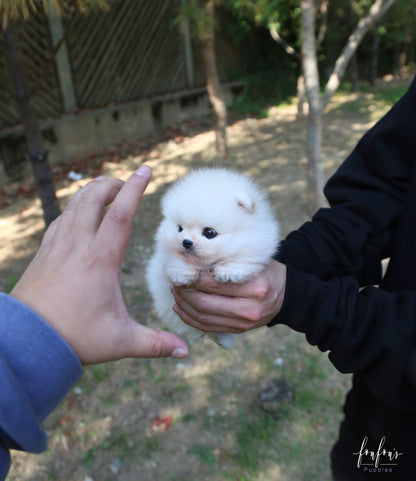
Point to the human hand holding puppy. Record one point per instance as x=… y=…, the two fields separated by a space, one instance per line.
x=73 y=281
x=217 y=307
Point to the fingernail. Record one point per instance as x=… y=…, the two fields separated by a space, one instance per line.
x=144 y=171
x=179 y=353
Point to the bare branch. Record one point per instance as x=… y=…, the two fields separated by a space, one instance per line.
x=377 y=10
x=323 y=9
x=277 y=38
x=309 y=58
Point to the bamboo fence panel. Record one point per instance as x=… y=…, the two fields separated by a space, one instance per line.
x=35 y=50
x=131 y=52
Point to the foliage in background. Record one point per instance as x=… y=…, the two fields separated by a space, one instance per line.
x=10 y=12
x=397 y=30
x=18 y=9
x=201 y=15
x=268 y=73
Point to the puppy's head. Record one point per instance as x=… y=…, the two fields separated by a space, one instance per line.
x=209 y=216
x=194 y=240
x=201 y=242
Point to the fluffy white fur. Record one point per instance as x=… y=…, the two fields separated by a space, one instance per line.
x=215 y=221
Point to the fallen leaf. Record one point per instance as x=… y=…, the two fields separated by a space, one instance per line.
x=162 y=424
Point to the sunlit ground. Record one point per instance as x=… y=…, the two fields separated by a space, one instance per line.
x=105 y=429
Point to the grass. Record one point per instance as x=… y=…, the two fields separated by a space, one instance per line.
x=219 y=432
x=253 y=433
x=263 y=89
x=93 y=375
x=205 y=454
x=370 y=103
x=123 y=446
x=255 y=438
x=294 y=434
x=12 y=282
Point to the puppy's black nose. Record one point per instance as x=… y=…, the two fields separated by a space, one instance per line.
x=187 y=243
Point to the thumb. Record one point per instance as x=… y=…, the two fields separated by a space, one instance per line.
x=147 y=342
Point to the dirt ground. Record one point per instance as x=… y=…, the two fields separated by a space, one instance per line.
x=198 y=418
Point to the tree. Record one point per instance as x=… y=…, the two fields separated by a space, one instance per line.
x=206 y=36
x=37 y=155
x=275 y=15
x=201 y=15
x=282 y=19
x=323 y=11
x=398 y=35
x=317 y=103
x=10 y=12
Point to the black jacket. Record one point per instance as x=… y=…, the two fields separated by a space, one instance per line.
x=334 y=264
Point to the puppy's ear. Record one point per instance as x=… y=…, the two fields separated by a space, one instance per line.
x=244 y=201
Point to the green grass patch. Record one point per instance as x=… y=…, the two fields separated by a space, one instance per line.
x=370 y=103
x=264 y=88
x=98 y=373
x=204 y=453
x=12 y=282
x=252 y=435
x=123 y=446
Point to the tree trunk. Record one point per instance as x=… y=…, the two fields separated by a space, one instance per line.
x=317 y=104
x=354 y=60
x=300 y=89
x=316 y=180
x=207 y=39
x=374 y=57
x=354 y=73
x=312 y=86
x=411 y=47
x=37 y=155
x=301 y=81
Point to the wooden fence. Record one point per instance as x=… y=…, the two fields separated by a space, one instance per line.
x=133 y=51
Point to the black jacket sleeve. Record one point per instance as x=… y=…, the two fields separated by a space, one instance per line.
x=368 y=331
x=367 y=194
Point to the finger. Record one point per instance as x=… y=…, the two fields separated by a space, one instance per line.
x=60 y=228
x=50 y=233
x=64 y=222
x=91 y=205
x=150 y=343
x=85 y=209
x=212 y=313
x=116 y=225
x=213 y=325
x=255 y=287
x=203 y=303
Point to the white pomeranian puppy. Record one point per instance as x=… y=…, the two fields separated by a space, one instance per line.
x=216 y=222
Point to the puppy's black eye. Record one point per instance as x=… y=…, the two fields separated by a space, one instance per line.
x=180 y=228
x=209 y=233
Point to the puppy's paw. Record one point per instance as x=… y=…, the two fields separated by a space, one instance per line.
x=232 y=274
x=181 y=277
x=225 y=340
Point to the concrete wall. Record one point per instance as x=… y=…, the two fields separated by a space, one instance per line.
x=88 y=131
